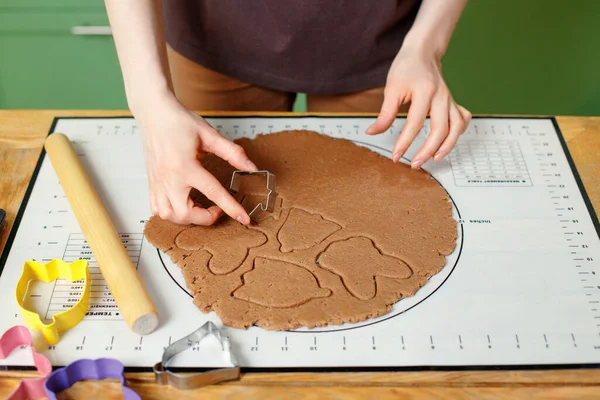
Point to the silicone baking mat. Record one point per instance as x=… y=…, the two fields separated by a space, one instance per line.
x=521 y=289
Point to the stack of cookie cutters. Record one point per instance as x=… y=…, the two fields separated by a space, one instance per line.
x=49 y=383
x=64 y=320
x=19 y=335
x=269 y=204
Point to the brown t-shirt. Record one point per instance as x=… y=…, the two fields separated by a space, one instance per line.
x=311 y=46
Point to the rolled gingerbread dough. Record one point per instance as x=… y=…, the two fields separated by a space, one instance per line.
x=352 y=234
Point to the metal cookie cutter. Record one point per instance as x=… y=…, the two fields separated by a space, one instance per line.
x=191 y=381
x=54 y=270
x=12 y=339
x=86 y=369
x=269 y=203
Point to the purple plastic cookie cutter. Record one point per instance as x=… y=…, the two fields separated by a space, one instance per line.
x=84 y=369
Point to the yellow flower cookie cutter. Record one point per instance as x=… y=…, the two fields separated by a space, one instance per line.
x=64 y=320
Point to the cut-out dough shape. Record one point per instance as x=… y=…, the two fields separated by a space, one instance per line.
x=303 y=230
x=250 y=201
x=357 y=261
x=228 y=243
x=356 y=188
x=195 y=268
x=279 y=284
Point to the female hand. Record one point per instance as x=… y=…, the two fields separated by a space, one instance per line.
x=174 y=141
x=416 y=76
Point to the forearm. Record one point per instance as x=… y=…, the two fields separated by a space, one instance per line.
x=434 y=26
x=139 y=37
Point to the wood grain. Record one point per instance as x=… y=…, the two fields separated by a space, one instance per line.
x=22 y=135
x=121 y=277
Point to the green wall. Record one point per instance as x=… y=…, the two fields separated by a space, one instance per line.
x=527 y=57
x=43 y=65
x=506 y=56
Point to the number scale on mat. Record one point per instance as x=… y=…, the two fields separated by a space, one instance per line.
x=521 y=288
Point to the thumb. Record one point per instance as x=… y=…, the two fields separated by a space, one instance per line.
x=229 y=151
x=387 y=115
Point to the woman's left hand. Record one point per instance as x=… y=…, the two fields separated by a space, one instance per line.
x=416 y=76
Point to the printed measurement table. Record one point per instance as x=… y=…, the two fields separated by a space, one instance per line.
x=521 y=288
x=65 y=294
x=496 y=162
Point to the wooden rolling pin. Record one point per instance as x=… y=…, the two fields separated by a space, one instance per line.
x=120 y=275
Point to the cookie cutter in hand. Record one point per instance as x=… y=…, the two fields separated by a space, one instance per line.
x=191 y=381
x=12 y=339
x=86 y=369
x=64 y=320
x=269 y=203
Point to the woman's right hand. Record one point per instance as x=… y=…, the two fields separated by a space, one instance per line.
x=175 y=139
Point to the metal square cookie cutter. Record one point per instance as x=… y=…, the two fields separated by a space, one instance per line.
x=269 y=204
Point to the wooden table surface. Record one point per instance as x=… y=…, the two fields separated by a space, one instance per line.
x=21 y=138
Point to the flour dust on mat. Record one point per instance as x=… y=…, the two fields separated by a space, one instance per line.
x=352 y=233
